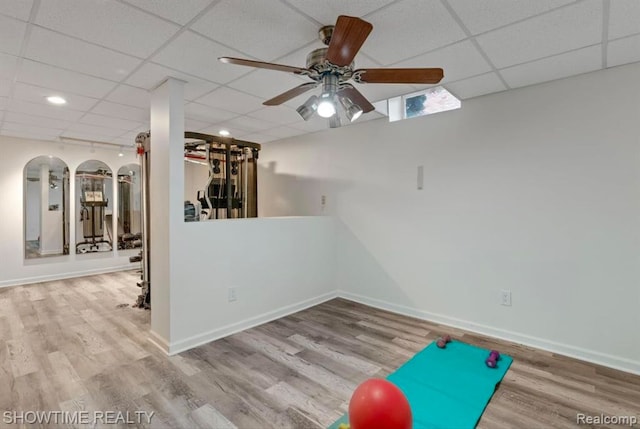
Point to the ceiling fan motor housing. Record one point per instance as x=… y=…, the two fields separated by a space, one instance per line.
x=317 y=61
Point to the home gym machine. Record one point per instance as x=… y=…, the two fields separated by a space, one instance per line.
x=231 y=190
x=93 y=205
x=231 y=187
x=129 y=236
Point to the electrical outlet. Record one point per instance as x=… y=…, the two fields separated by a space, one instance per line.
x=232 y=294
x=505 y=297
x=323 y=200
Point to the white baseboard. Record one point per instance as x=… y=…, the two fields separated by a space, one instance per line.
x=158 y=341
x=216 y=334
x=62 y=276
x=592 y=356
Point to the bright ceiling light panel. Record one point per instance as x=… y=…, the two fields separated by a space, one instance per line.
x=55 y=99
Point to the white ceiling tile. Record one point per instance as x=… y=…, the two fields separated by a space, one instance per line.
x=327 y=11
x=195 y=55
x=362 y=61
x=92 y=130
x=110 y=122
x=30 y=135
x=20 y=9
x=623 y=51
x=46 y=110
x=459 y=61
x=381 y=91
x=208 y=114
x=129 y=138
x=267 y=83
x=249 y=123
x=409 y=28
x=63 y=80
x=232 y=100
x=12 y=33
x=121 y=111
x=193 y=125
x=53 y=48
x=16 y=126
x=263 y=29
x=298 y=58
x=131 y=96
x=5 y=87
x=215 y=129
x=624 y=18
x=176 y=11
x=565 y=29
x=8 y=65
x=568 y=64
x=107 y=23
x=476 y=86
x=151 y=75
x=277 y=114
x=37 y=94
x=4 y=102
x=21 y=118
x=483 y=15
x=283 y=132
x=258 y=138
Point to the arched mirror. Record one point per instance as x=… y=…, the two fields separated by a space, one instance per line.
x=94 y=206
x=129 y=205
x=46 y=207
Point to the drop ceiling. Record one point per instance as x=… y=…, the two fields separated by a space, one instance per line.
x=104 y=55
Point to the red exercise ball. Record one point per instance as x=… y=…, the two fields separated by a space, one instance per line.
x=379 y=404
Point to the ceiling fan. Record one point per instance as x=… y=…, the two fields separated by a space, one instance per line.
x=333 y=67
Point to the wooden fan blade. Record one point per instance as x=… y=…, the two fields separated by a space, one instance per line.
x=288 y=95
x=357 y=97
x=262 y=65
x=348 y=36
x=399 y=75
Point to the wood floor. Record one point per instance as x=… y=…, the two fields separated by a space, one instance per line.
x=70 y=345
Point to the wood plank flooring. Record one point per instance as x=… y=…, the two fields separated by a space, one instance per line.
x=68 y=346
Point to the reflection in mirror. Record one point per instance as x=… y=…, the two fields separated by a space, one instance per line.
x=94 y=223
x=46 y=216
x=129 y=202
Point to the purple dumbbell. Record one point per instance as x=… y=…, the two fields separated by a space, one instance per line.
x=492 y=360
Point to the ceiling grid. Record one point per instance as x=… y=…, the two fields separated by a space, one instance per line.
x=129 y=46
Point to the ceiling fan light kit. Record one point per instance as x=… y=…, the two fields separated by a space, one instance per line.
x=326 y=105
x=332 y=67
x=309 y=107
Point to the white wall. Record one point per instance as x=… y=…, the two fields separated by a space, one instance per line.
x=535 y=190
x=16 y=153
x=277 y=265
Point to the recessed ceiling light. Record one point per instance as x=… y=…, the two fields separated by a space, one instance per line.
x=224 y=133
x=56 y=100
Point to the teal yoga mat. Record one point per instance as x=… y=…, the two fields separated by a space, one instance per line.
x=447 y=388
